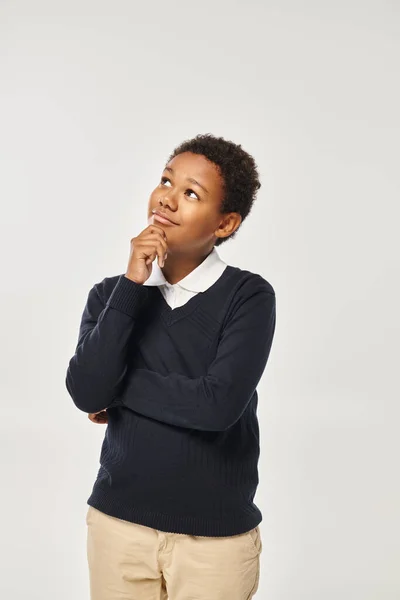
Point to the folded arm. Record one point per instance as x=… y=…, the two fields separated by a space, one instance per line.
x=215 y=401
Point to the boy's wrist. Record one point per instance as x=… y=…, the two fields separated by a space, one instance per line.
x=132 y=279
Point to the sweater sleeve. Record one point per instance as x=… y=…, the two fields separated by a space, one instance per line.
x=215 y=401
x=95 y=373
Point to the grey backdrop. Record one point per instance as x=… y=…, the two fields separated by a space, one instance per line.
x=94 y=96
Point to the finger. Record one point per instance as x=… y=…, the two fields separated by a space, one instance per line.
x=161 y=252
x=153 y=238
x=148 y=252
x=101 y=417
x=157 y=249
x=157 y=228
x=101 y=420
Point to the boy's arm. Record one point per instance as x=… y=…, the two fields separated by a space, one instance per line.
x=215 y=401
x=96 y=371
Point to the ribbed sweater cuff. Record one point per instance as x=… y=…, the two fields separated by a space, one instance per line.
x=127 y=296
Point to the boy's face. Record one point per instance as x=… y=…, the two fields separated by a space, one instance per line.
x=195 y=210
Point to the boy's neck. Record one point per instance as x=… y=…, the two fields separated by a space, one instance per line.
x=177 y=266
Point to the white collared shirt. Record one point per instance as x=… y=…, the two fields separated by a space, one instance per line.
x=198 y=280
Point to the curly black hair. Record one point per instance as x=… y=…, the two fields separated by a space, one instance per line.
x=238 y=170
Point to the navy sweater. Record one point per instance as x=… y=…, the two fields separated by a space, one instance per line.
x=181 y=448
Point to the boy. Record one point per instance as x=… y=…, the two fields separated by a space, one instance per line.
x=170 y=356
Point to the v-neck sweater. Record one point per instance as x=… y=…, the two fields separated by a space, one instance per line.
x=180 y=452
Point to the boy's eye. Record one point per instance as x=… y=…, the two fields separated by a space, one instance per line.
x=164 y=179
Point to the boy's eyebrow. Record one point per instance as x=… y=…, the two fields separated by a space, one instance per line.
x=189 y=179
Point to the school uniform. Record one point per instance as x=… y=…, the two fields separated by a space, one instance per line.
x=171 y=513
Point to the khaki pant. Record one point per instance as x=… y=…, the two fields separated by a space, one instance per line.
x=128 y=561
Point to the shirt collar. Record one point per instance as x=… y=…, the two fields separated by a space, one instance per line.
x=198 y=280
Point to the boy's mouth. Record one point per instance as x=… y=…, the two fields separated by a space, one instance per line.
x=162 y=218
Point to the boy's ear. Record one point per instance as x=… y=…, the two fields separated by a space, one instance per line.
x=228 y=225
